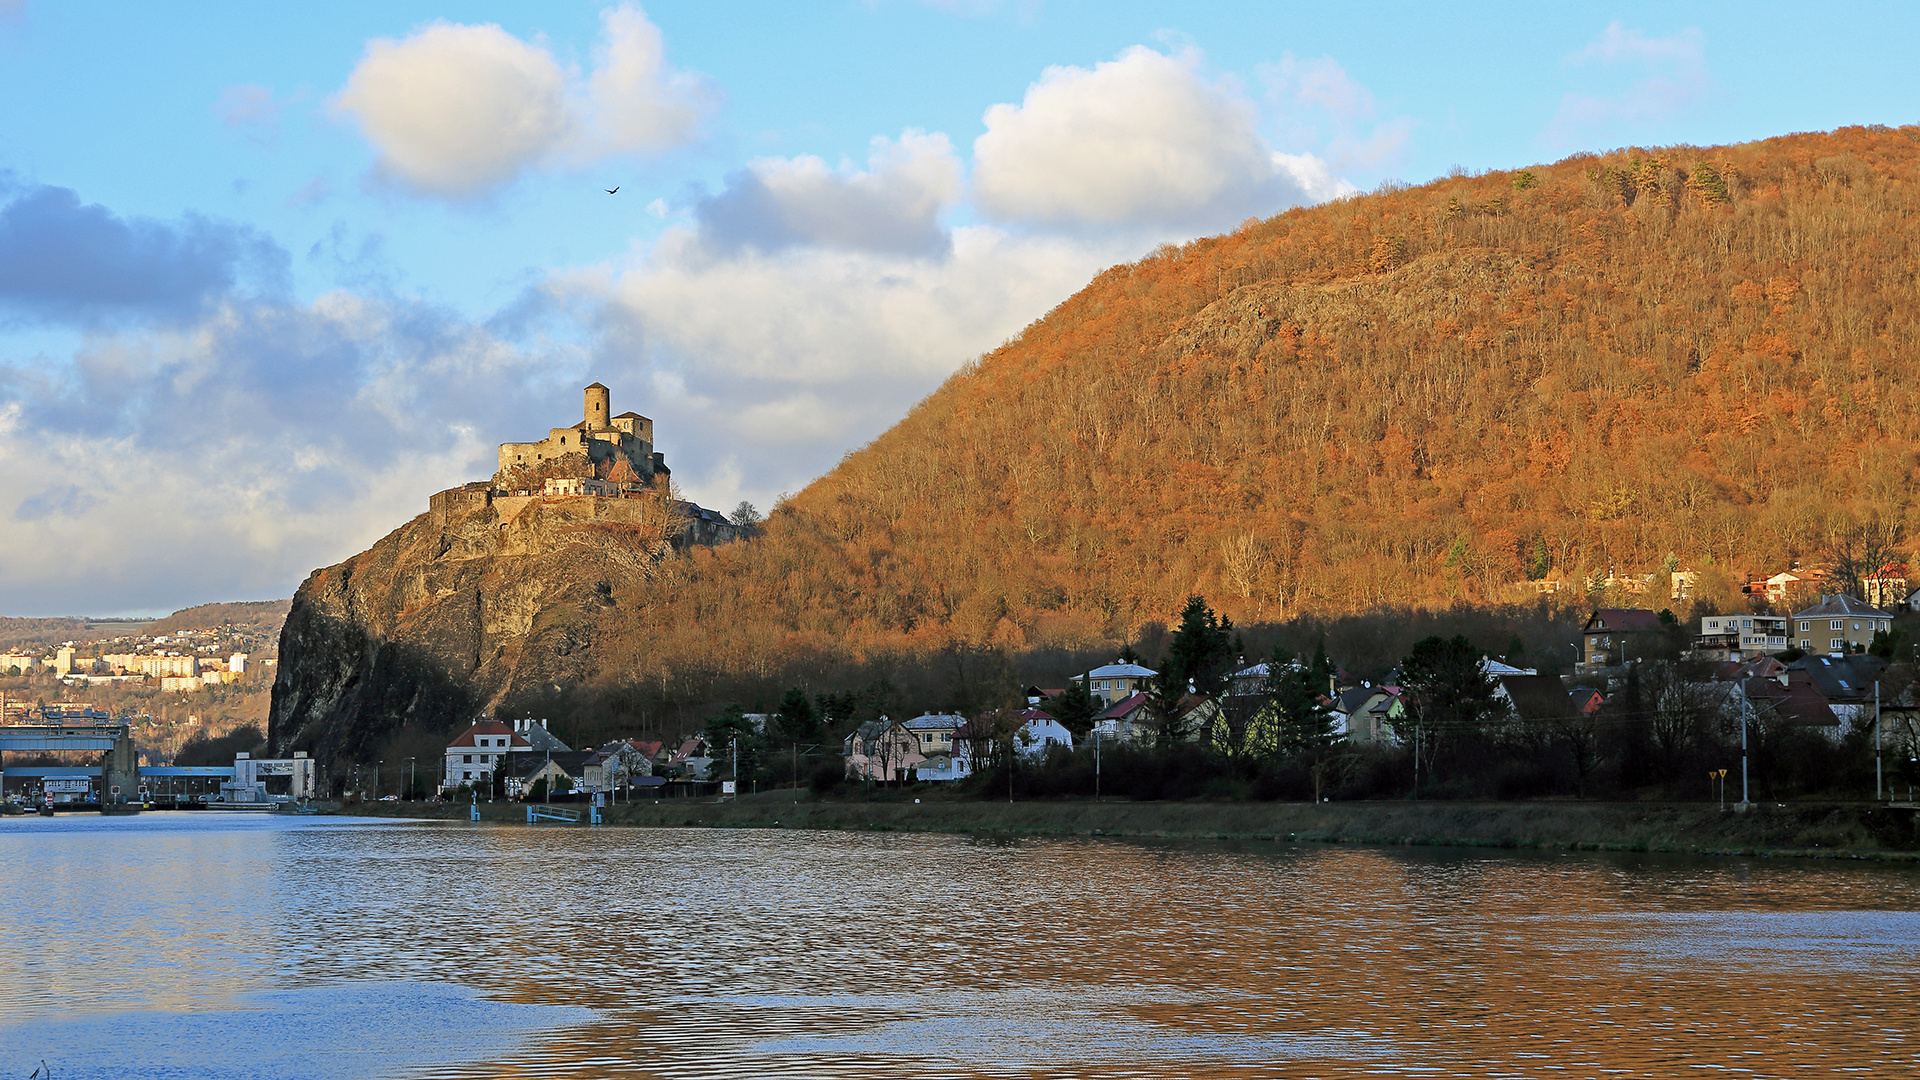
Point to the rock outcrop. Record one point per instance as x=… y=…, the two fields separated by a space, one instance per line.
x=461 y=609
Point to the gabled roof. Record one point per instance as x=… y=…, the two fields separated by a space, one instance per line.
x=1841 y=605
x=1762 y=667
x=1622 y=621
x=1841 y=678
x=490 y=729
x=629 y=415
x=571 y=762
x=1538 y=697
x=1384 y=701
x=621 y=471
x=1800 y=702
x=594 y=386
x=540 y=738
x=1353 y=698
x=1125 y=707
x=934 y=722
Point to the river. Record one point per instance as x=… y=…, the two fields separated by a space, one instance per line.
x=173 y=945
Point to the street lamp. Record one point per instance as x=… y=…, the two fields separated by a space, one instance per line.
x=410 y=785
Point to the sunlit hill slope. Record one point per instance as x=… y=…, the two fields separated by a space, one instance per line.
x=1422 y=396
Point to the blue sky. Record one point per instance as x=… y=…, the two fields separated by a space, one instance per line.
x=271 y=274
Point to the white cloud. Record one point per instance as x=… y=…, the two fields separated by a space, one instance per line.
x=640 y=105
x=774 y=364
x=455 y=110
x=893 y=205
x=1652 y=80
x=1145 y=139
x=1318 y=104
x=233 y=456
x=251 y=108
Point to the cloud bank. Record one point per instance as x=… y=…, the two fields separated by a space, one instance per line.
x=62 y=261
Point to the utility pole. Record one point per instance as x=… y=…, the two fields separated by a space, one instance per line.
x=1416 y=761
x=1876 y=741
x=1096 y=764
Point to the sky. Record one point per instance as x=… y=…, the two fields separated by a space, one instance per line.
x=270 y=275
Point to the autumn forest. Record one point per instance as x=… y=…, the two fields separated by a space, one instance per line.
x=1418 y=398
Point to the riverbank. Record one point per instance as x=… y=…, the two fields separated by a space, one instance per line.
x=1815 y=830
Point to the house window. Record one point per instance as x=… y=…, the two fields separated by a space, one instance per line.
x=1836 y=624
x=1838 y=644
x=1746 y=624
x=466 y=759
x=466 y=775
x=1805 y=626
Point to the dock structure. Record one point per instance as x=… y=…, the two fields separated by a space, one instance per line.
x=119 y=768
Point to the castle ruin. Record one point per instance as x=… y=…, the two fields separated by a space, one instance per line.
x=603 y=457
x=605 y=440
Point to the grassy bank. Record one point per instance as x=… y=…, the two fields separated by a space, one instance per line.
x=1829 y=830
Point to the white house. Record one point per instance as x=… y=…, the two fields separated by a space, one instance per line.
x=1741 y=637
x=1040 y=733
x=480 y=753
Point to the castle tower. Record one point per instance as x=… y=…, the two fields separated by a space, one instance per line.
x=598 y=408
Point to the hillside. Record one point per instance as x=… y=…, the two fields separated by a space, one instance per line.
x=36 y=632
x=260 y=618
x=1418 y=398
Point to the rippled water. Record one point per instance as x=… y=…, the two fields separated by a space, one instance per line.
x=193 y=945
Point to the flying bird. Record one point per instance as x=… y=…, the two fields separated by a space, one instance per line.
x=615 y=190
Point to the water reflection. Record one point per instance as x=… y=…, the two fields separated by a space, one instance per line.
x=721 y=953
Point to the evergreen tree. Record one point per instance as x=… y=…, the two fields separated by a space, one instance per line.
x=730 y=733
x=1516 y=652
x=1197 y=660
x=1295 y=694
x=797 y=720
x=1541 y=564
x=1446 y=684
x=1074 y=707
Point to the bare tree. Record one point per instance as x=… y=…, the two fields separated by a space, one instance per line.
x=1856 y=552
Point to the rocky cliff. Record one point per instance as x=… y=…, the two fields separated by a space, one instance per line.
x=478 y=602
